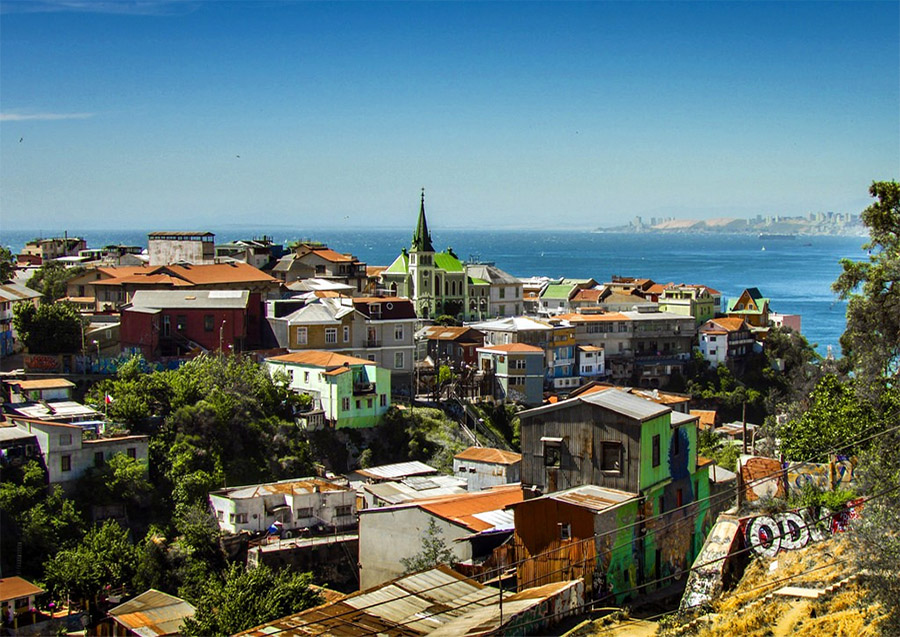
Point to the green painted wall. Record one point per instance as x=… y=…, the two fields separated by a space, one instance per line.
x=650 y=475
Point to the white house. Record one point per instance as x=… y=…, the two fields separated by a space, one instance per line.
x=68 y=451
x=296 y=504
x=484 y=467
x=591 y=361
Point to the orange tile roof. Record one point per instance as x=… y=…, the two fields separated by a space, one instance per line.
x=730 y=324
x=375 y=270
x=463 y=507
x=233 y=272
x=587 y=295
x=148 y=278
x=512 y=347
x=319 y=358
x=656 y=288
x=330 y=255
x=17 y=587
x=488 y=454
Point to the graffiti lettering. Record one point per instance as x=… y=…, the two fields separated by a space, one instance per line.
x=792 y=530
x=42 y=363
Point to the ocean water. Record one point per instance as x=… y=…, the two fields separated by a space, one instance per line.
x=795 y=274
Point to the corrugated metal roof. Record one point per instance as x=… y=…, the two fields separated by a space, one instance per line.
x=204 y=299
x=397 y=470
x=624 y=403
x=592 y=497
x=307 y=485
x=16 y=587
x=500 y=520
x=463 y=509
x=679 y=418
x=153 y=613
x=414 y=604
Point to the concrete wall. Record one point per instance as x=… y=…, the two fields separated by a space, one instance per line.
x=387 y=535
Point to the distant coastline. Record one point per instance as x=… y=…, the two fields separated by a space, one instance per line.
x=834 y=224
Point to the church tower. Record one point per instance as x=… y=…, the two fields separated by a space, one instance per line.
x=421 y=267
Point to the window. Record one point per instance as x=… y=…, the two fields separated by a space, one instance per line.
x=519 y=363
x=241 y=518
x=343 y=511
x=305 y=377
x=180 y=322
x=398 y=332
x=231 y=518
x=369 y=403
x=132 y=452
x=565 y=531
x=98 y=459
x=346 y=333
x=306 y=512
x=502 y=293
x=383 y=400
x=358 y=404
x=208 y=322
x=662 y=504
x=65 y=463
x=331 y=335
x=551 y=454
x=679 y=498
x=345 y=404
x=301 y=336
x=65 y=439
x=220 y=515
x=656 y=450
x=398 y=360
x=610 y=456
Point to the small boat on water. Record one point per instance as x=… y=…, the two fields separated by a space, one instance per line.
x=777 y=237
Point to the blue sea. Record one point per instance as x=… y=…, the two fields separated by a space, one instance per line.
x=795 y=274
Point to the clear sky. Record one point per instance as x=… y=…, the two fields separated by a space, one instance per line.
x=171 y=115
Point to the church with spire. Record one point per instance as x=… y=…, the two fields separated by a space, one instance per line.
x=438 y=283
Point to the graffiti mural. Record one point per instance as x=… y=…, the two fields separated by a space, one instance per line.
x=767 y=535
x=42 y=363
x=763 y=477
x=837 y=474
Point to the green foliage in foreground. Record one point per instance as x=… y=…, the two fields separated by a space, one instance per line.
x=242 y=598
x=434 y=551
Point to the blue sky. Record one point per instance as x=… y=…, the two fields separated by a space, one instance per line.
x=185 y=114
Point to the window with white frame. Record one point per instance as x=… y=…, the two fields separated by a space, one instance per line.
x=343 y=511
x=346 y=333
x=398 y=360
x=301 y=336
x=331 y=335
x=398 y=332
x=345 y=404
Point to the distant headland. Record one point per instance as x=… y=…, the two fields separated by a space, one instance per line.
x=766 y=226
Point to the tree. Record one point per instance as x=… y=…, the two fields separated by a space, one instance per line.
x=835 y=416
x=49 y=328
x=105 y=558
x=245 y=598
x=871 y=342
x=871 y=346
x=51 y=280
x=7 y=264
x=434 y=550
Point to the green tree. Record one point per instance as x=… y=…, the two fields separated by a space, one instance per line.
x=871 y=342
x=434 y=550
x=871 y=347
x=121 y=480
x=49 y=328
x=7 y=264
x=245 y=598
x=51 y=280
x=835 y=416
x=105 y=558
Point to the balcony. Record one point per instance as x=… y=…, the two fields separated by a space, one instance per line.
x=373 y=342
x=360 y=389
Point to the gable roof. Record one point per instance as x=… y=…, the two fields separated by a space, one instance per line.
x=16 y=587
x=319 y=358
x=400 y=265
x=392 y=307
x=489 y=454
x=615 y=400
x=589 y=496
x=191 y=299
x=451 y=333
x=448 y=262
x=729 y=324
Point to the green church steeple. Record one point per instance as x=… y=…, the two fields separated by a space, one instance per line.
x=421 y=241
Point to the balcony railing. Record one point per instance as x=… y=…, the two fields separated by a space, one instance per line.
x=363 y=388
x=373 y=342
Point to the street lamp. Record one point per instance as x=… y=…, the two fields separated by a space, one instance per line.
x=96 y=344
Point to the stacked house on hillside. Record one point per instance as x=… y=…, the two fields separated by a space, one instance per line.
x=311 y=260
x=615 y=494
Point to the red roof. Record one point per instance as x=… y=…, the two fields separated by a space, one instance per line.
x=318 y=358
x=730 y=324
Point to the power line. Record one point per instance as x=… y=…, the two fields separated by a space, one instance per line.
x=639 y=522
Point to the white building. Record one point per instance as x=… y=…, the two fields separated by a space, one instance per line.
x=299 y=503
x=196 y=248
x=591 y=361
x=484 y=467
x=68 y=452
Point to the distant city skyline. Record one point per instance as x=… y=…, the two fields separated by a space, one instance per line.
x=192 y=115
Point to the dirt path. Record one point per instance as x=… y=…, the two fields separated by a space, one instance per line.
x=799 y=609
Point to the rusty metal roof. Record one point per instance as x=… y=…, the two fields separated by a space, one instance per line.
x=589 y=496
x=411 y=605
x=489 y=454
x=463 y=509
x=153 y=613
